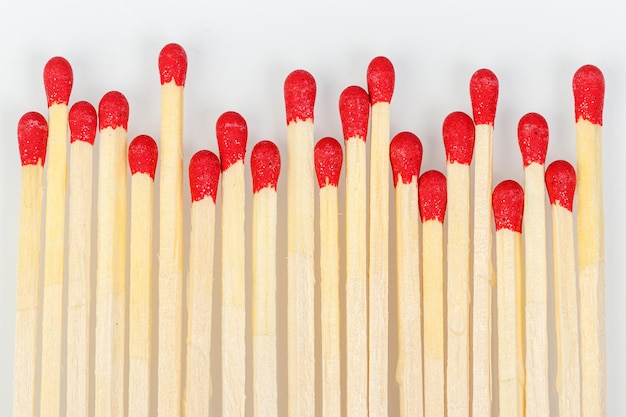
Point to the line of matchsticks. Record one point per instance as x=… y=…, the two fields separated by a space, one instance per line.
x=433 y=372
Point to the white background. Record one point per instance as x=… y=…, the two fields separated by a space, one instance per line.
x=240 y=53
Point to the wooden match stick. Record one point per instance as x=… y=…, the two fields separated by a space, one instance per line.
x=380 y=84
x=588 y=86
x=83 y=123
x=204 y=174
x=432 y=203
x=508 y=208
x=58 y=79
x=32 y=137
x=484 y=96
x=328 y=157
x=232 y=136
x=561 y=184
x=405 y=153
x=142 y=160
x=173 y=71
x=265 y=166
x=111 y=256
x=299 y=92
x=458 y=138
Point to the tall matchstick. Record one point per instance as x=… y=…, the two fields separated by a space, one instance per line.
x=405 y=153
x=32 y=137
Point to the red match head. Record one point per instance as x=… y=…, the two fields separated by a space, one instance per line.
x=381 y=79
x=57 y=80
x=299 y=93
x=433 y=196
x=588 y=86
x=458 y=138
x=354 y=109
x=32 y=138
x=204 y=175
x=232 y=137
x=173 y=64
x=484 y=96
x=83 y=122
x=561 y=184
x=328 y=157
x=508 y=206
x=405 y=153
x=532 y=135
x=265 y=165
x=143 y=155
x=113 y=111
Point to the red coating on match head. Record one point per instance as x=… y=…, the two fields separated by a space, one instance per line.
x=354 y=109
x=143 y=155
x=173 y=64
x=265 y=165
x=588 y=86
x=83 y=122
x=432 y=196
x=328 y=156
x=458 y=138
x=57 y=80
x=32 y=138
x=507 y=201
x=299 y=90
x=532 y=135
x=405 y=153
x=381 y=79
x=113 y=111
x=204 y=175
x=484 y=96
x=561 y=183
x=232 y=137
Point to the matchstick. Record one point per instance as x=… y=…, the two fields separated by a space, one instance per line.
x=173 y=71
x=299 y=92
x=58 y=79
x=111 y=256
x=458 y=138
x=561 y=184
x=142 y=160
x=508 y=208
x=204 y=175
x=588 y=87
x=484 y=96
x=405 y=153
x=32 y=137
x=432 y=204
x=232 y=135
x=265 y=166
x=380 y=83
x=328 y=157
x=83 y=123
x=532 y=134
x=354 y=109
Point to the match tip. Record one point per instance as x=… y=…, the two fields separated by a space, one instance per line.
x=58 y=79
x=561 y=184
x=433 y=196
x=354 y=109
x=265 y=165
x=484 y=96
x=173 y=64
x=405 y=154
x=299 y=90
x=32 y=138
x=83 y=122
x=328 y=157
x=143 y=155
x=113 y=111
x=232 y=137
x=204 y=175
x=458 y=138
x=588 y=86
x=508 y=206
x=532 y=136
x=381 y=79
